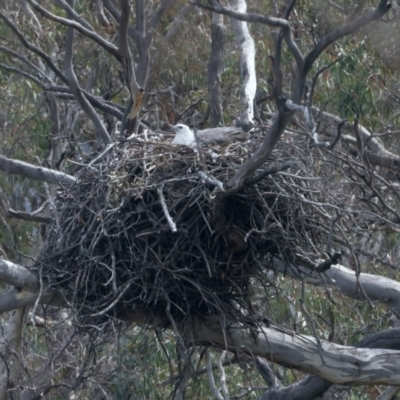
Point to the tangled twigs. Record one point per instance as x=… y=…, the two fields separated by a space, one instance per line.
x=117 y=246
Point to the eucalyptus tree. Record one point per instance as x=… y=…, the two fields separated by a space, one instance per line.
x=102 y=70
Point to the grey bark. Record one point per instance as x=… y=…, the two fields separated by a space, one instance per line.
x=378 y=288
x=312 y=387
x=17 y=167
x=75 y=88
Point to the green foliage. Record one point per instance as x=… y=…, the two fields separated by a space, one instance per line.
x=360 y=84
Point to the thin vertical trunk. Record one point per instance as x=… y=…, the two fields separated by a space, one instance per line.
x=215 y=68
x=247 y=51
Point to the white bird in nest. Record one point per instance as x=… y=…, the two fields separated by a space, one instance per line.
x=224 y=135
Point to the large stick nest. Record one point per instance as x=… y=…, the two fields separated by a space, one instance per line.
x=111 y=249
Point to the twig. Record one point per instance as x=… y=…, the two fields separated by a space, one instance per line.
x=320 y=71
x=171 y=223
x=117 y=299
x=212 y=181
x=332 y=260
x=224 y=388
x=273 y=170
x=327 y=145
x=10 y=213
x=312 y=127
x=107 y=149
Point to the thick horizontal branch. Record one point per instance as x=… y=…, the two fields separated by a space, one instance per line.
x=12 y=299
x=336 y=363
x=378 y=288
x=10 y=213
x=18 y=276
x=26 y=290
x=313 y=387
x=17 y=167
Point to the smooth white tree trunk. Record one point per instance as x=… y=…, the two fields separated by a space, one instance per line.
x=247 y=52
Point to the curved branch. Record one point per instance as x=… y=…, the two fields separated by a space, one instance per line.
x=345 y=30
x=45 y=57
x=17 y=167
x=314 y=386
x=262 y=19
x=109 y=47
x=24 y=60
x=76 y=90
x=66 y=7
x=26 y=290
x=336 y=363
x=378 y=288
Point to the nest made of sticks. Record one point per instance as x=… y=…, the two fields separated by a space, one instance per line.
x=112 y=249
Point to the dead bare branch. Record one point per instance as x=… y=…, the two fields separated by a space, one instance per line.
x=76 y=90
x=17 y=167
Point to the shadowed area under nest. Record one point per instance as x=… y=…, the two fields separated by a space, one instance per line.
x=111 y=249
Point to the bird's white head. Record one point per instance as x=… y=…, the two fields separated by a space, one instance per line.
x=183 y=135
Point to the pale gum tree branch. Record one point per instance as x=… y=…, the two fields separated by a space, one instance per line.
x=378 y=288
x=210 y=376
x=339 y=364
x=262 y=19
x=17 y=167
x=101 y=16
x=136 y=92
x=110 y=6
x=374 y=150
x=10 y=345
x=116 y=14
x=18 y=276
x=109 y=47
x=136 y=79
x=66 y=7
x=313 y=387
x=336 y=363
x=247 y=52
x=108 y=107
x=76 y=90
x=284 y=115
x=26 y=290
